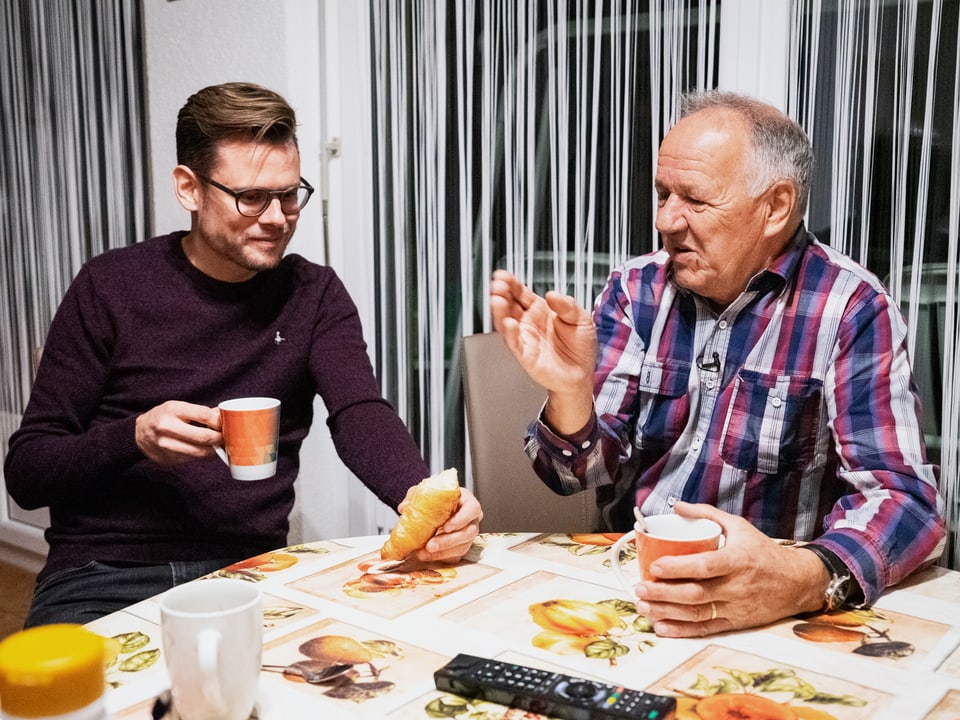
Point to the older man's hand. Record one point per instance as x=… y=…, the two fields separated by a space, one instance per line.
x=752 y=580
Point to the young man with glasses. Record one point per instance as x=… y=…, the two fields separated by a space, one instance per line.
x=117 y=439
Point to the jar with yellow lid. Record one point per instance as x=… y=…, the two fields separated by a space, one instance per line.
x=54 y=672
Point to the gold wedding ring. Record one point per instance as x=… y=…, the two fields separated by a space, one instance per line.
x=713 y=610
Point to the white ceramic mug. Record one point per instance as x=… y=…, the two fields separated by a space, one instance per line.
x=662 y=535
x=212 y=634
x=251 y=432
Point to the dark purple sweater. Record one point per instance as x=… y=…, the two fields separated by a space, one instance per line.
x=140 y=326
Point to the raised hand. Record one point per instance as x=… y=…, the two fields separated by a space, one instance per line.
x=555 y=341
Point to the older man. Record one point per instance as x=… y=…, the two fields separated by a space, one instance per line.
x=744 y=373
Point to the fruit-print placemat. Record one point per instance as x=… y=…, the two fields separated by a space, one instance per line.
x=548 y=601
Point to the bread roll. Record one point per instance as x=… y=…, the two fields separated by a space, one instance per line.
x=432 y=503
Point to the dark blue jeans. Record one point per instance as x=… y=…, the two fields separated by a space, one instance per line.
x=79 y=595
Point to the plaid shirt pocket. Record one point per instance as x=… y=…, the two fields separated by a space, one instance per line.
x=664 y=405
x=771 y=422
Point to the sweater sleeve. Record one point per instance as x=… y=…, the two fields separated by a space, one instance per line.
x=369 y=436
x=59 y=451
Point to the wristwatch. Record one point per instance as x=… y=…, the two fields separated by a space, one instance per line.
x=842 y=586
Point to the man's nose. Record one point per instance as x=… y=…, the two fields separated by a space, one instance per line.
x=274 y=214
x=670 y=216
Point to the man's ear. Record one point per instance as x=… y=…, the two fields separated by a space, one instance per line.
x=186 y=186
x=781 y=200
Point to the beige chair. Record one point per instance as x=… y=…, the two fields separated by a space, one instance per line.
x=500 y=401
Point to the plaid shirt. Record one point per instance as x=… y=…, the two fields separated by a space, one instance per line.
x=794 y=408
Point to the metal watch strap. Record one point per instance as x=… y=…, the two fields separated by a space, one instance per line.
x=838 y=589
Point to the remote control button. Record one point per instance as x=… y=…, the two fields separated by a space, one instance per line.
x=582 y=689
x=578 y=689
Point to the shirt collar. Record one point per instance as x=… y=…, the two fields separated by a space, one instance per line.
x=786 y=265
x=777 y=275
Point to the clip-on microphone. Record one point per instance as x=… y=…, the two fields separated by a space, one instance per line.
x=712 y=365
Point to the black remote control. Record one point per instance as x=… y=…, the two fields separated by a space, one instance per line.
x=548 y=693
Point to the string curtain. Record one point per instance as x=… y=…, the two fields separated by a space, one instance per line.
x=875 y=83
x=72 y=164
x=517 y=134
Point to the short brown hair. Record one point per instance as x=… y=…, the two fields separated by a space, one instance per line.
x=231 y=111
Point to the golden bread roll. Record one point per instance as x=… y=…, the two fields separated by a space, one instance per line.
x=432 y=503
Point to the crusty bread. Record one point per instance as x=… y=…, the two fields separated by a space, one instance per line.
x=432 y=503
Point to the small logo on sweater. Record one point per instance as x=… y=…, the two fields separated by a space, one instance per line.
x=278 y=339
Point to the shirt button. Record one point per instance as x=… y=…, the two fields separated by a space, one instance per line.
x=776 y=402
x=722 y=324
x=585 y=444
x=710 y=384
x=567 y=453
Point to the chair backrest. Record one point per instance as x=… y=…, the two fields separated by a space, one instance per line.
x=500 y=401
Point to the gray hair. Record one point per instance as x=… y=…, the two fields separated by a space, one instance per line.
x=781 y=148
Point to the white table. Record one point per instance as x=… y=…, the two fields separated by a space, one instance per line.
x=398 y=628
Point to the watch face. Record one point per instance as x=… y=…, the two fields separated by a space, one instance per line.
x=837 y=591
x=840 y=586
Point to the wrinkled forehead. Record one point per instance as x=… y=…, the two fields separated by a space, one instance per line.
x=709 y=144
x=708 y=130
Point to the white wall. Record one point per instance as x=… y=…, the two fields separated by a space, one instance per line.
x=194 y=43
x=283 y=45
x=753 y=48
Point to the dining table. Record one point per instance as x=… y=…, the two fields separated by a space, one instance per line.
x=552 y=602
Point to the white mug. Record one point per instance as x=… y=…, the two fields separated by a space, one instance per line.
x=251 y=432
x=661 y=535
x=212 y=634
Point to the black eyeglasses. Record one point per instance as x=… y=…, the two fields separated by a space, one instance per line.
x=252 y=202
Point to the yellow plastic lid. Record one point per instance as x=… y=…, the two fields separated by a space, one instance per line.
x=50 y=670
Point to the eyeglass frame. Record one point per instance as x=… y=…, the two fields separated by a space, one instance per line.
x=271 y=195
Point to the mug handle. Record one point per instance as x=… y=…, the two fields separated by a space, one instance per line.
x=615 y=561
x=222 y=454
x=208 y=649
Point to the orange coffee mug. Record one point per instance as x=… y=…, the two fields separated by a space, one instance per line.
x=251 y=430
x=661 y=535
